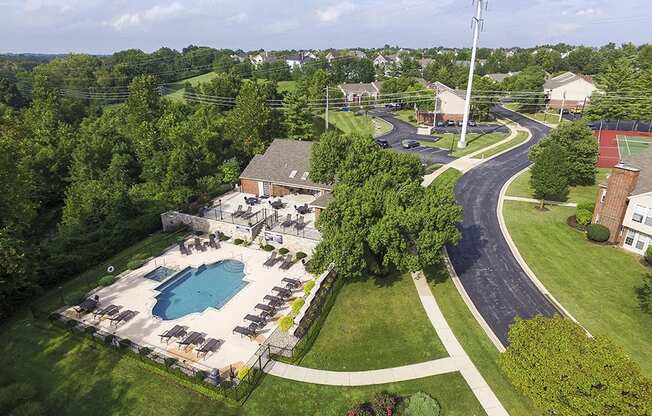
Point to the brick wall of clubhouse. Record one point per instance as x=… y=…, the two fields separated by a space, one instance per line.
x=567 y=105
x=426 y=118
x=248 y=186
x=611 y=212
x=279 y=190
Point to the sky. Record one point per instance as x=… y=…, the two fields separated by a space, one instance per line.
x=106 y=26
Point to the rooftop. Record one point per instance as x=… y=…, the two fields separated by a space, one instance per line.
x=642 y=162
x=285 y=162
x=563 y=79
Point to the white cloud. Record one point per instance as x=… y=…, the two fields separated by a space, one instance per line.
x=587 y=12
x=333 y=12
x=153 y=14
x=238 y=18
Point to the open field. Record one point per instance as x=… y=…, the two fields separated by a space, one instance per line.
x=347 y=122
x=474 y=142
x=596 y=283
x=520 y=138
x=382 y=332
x=282 y=86
x=578 y=194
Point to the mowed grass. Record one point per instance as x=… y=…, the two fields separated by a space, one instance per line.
x=520 y=138
x=75 y=376
x=347 y=122
x=474 y=142
x=282 y=86
x=550 y=117
x=375 y=323
x=407 y=116
x=578 y=194
x=276 y=396
x=596 y=283
x=477 y=345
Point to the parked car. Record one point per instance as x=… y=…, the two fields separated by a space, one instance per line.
x=409 y=144
x=344 y=109
x=472 y=123
x=383 y=143
x=450 y=123
x=392 y=106
x=460 y=123
x=440 y=124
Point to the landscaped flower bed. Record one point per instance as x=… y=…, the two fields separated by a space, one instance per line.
x=387 y=404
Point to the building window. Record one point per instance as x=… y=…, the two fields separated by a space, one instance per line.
x=642 y=242
x=639 y=213
x=603 y=196
x=629 y=240
x=648 y=219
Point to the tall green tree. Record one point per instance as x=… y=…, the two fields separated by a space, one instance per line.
x=566 y=373
x=327 y=155
x=297 y=118
x=550 y=173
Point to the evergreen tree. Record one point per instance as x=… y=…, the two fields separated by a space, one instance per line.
x=550 y=174
x=298 y=118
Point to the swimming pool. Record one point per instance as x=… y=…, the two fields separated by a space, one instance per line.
x=197 y=289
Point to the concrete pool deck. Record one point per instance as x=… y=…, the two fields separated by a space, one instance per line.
x=137 y=293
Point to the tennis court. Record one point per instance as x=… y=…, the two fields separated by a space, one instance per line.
x=616 y=145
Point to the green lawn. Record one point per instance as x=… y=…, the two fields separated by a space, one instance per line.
x=282 y=86
x=476 y=343
x=595 y=283
x=549 y=117
x=448 y=177
x=578 y=194
x=520 y=138
x=74 y=377
x=407 y=116
x=286 y=86
x=347 y=122
x=375 y=323
x=474 y=142
x=277 y=396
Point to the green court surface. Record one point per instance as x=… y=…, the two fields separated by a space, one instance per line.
x=632 y=145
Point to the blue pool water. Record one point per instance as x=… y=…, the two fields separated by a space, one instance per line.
x=195 y=290
x=159 y=274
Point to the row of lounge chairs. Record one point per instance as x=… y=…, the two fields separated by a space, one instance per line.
x=286 y=261
x=269 y=309
x=110 y=312
x=240 y=213
x=186 y=340
x=289 y=222
x=199 y=245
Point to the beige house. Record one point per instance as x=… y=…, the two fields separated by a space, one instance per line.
x=450 y=105
x=356 y=93
x=569 y=90
x=624 y=203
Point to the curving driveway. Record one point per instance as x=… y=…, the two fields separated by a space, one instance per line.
x=490 y=274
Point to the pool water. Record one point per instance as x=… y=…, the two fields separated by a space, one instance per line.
x=197 y=289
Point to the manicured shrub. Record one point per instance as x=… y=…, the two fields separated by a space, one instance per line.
x=200 y=375
x=648 y=255
x=588 y=206
x=90 y=330
x=223 y=237
x=644 y=294
x=109 y=339
x=30 y=408
x=283 y=251
x=144 y=351
x=597 y=232
x=15 y=394
x=301 y=255
x=583 y=217
x=307 y=287
x=268 y=247
x=286 y=323
x=238 y=241
x=137 y=261
x=107 y=280
x=125 y=343
x=71 y=323
x=242 y=372
x=169 y=361
x=420 y=404
x=384 y=403
x=297 y=305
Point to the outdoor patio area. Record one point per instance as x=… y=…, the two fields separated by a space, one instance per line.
x=137 y=291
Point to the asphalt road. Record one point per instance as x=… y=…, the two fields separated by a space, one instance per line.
x=494 y=280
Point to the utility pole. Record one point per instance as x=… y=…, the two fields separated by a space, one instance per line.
x=477 y=23
x=326 y=118
x=561 y=110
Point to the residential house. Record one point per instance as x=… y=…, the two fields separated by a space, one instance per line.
x=358 y=53
x=356 y=93
x=624 y=203
x=569 y=90
x=424 y=62
x=382 y=60
x=261 y=58
x=297 y=61
x=500 y=77
x=450 y=105
x=239 y=56
x=331 y=55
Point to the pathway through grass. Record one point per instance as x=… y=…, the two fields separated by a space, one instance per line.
x=475 y=142
x=578 y=194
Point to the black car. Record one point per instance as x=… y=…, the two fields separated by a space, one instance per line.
x=383 y=143
x=409 y=144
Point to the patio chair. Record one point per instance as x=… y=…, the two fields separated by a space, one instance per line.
x=287 y=263
x=106 y=311
x=211 y=345
x=211 y=241
x=288 y=221
x=175 y=332
x=271 y=260
x=300 y=224
x=238 y=212
x=249 y=332
x=269 y=310
x=183 y=249
x=284 y=293
x=247 y=214
x=291 y=283
x=198 y=245
x=193 y=338
x=259 y=321
x=273 y=301
x=87 y=305
x=124 y=316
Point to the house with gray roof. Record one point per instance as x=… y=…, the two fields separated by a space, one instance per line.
x=569 y=90
x=624 y=202
x=356 y=93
